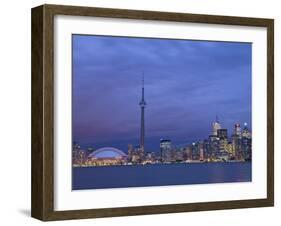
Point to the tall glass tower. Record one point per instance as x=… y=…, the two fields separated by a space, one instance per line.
x=142 y=105
x=216 y=126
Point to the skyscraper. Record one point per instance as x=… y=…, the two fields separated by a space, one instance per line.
x=223 y=142
x=166 y=150
x=246 y=133
x=142 y=105
x=216 y=125
x=237 y=142
x=222 y=133
x=246 y=143
x=237 y=129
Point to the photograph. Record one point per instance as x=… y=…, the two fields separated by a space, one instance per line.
x=160 y=112
x=140 y=112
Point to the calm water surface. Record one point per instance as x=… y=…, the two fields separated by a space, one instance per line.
x=160 y=174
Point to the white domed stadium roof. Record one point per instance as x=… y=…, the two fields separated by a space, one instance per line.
x=107 y=152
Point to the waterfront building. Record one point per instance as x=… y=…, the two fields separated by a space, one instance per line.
x=166 y=150
x=201 y=151
x=75 y=153
x=195 y=151
x=207 y=150
x=214 y=146
x=130 y=152
x=136 y=154
x=79 y=156
x=187 y=153
x=150 y=157
x=178 y=154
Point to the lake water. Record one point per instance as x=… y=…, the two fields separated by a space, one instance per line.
x=160 y=174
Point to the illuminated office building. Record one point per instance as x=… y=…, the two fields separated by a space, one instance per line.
x=213 y=146
x=195 y=151
x=222 y=133
x=237 y=129
x=246 y=143
x=245 y=132
x=201 y=152
x=79 y=156
x=187 y=153
x=223 y=142
x=166 y=150
x=178 y=154
x=216 y=126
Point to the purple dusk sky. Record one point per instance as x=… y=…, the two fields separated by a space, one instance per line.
x=187 y=83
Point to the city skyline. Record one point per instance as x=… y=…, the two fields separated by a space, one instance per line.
x=181 y=103
x=219 y=146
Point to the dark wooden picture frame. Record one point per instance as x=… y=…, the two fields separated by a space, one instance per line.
x=42 y=203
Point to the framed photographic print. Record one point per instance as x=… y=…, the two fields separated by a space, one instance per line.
x=142 y=112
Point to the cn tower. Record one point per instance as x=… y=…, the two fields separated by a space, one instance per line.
x=142 y=105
